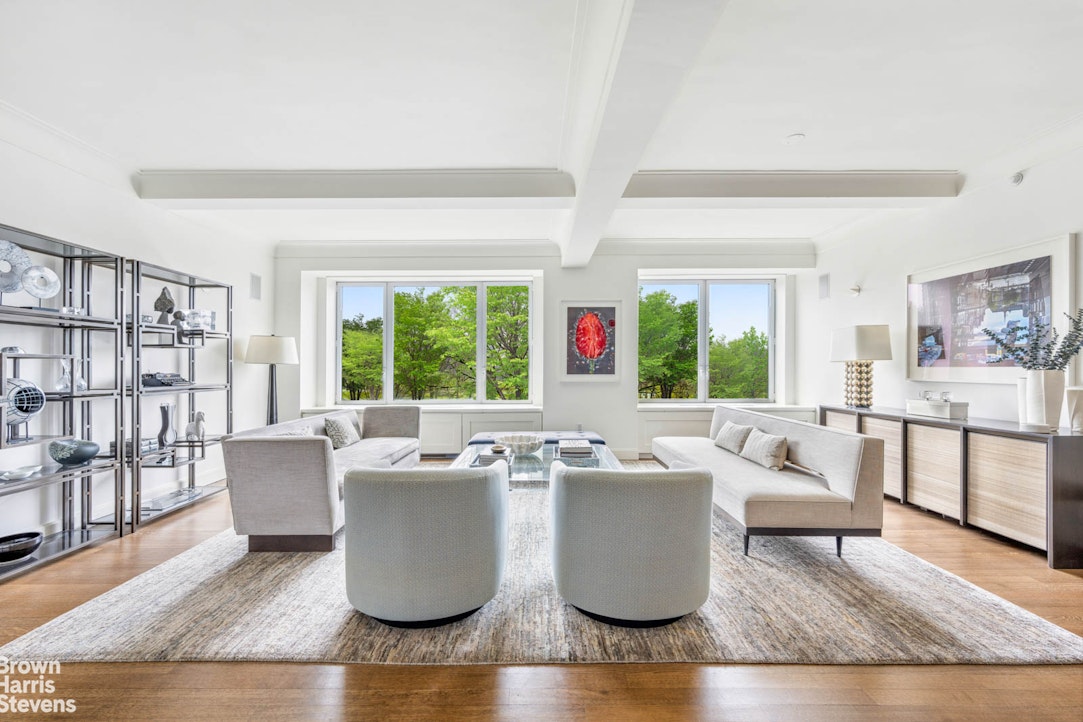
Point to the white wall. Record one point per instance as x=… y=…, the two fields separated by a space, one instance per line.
x=48 y=197
x=610 y=408
x=879 y=256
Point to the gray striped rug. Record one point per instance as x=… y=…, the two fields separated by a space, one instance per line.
x=791 y=601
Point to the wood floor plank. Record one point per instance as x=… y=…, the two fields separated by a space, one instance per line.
x=287 y=691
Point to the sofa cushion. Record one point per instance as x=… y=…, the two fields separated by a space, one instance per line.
x=341 y=432
x=732 y=437
x=767 y=450
x=297 y=431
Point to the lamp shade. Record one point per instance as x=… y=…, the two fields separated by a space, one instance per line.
x=861 y=343
x=271 y=350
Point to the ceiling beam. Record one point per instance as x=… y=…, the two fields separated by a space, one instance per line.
x=836 y=185
x=656 y=43
x=357 y=189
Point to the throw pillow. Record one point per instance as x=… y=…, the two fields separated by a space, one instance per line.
x=765 y=449
x=341 y=432
x=297 y=431
x=732 y=437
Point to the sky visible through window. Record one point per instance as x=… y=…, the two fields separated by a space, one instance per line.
x=733 y=307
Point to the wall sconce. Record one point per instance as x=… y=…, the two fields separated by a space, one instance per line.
x=855 y=290
x=859 y=346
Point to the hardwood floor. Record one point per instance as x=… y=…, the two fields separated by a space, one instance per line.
x=273 y=691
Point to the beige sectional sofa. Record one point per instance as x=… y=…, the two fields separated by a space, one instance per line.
x=285 y=480
x=831 y=485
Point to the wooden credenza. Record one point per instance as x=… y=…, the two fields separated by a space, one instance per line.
x=990 y=474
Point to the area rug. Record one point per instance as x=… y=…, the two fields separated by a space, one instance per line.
x=791 y=601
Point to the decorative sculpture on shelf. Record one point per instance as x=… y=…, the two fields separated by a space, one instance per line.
x=168 y=434
x=195 y=430
x=178 y=323
x=165 y=304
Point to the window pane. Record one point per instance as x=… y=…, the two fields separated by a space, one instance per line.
x=507 y=343
x=362 y=343
x=739 y=355
x=435 y=342
x=668 y=346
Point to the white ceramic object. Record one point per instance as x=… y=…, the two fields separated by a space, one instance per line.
x=1021 y=399
x=1074 y=395
x=522 y=443
x=22 y=472
x=1045 y=398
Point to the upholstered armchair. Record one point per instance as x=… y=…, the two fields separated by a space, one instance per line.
x=425 y=547
x=628 y=547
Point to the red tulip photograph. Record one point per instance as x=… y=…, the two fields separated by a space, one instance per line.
x=591 y=342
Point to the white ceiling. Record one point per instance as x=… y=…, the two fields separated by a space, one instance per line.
x=594 y=89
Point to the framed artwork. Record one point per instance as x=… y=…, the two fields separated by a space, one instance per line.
x=947 y=308
x=590 y=340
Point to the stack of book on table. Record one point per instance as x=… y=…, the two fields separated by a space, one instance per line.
x=487 y=456
x=575 y=449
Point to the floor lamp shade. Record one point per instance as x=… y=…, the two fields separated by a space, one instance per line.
x=272 y=350
x=859 y=346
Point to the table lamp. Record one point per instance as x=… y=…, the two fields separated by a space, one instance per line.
x=271 y=350
x=859 y=346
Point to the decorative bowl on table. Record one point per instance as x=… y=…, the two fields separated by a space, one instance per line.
x=18 y=546
x=521 y=443
x=71 y=452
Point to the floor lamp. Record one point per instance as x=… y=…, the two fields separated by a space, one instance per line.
x=271 y=350
x=859 y=346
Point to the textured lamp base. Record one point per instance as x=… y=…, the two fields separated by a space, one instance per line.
x=859 y=383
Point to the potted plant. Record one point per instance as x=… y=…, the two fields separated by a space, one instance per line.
x=1045 y=355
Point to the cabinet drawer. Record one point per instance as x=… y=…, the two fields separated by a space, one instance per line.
x=840 y=420
x=891 y=432
x=1006 y=488
x=933 y=468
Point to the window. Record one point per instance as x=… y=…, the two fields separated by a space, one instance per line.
x=426 y=341
x=706 y=340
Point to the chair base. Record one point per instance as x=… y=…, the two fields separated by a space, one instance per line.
x=426 y=623
x=634 y=623
x=291 y=543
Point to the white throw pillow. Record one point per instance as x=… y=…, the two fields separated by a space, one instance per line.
x=732 y=437
x=341 y=432
x=765 y=449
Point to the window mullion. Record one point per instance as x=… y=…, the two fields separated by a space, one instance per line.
x=703 y=343
x=389 y=343
x=481 y=342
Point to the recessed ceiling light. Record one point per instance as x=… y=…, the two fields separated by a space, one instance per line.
x=795 y=138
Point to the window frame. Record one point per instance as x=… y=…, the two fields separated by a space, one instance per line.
x=481 y=339
x=704 y=284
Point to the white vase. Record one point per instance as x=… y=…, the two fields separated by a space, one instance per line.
x=1075 y=407
x=1021 y=399
x=1045 y=398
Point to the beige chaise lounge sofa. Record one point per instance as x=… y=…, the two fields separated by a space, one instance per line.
x=285 y=480
x=831 y=485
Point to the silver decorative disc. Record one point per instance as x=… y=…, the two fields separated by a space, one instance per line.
x=17 y=262
x=41 y=282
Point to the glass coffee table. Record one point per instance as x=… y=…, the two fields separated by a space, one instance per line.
x=532 y=470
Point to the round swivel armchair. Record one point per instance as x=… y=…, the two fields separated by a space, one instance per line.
x=631 y=548
x=425 y=547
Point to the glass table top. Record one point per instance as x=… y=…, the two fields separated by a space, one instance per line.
x=535 y=467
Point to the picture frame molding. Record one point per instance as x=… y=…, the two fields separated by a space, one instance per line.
x=566 y=347
x=1060 y=249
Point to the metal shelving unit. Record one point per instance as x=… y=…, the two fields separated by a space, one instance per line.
x=74 y=332
x=144 y=338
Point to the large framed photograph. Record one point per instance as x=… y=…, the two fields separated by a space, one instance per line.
x=947 y=308
x=590 y=340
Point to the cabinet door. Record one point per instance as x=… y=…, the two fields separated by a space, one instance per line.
x=891 y=432
x=932 y=468
x=840 y=420
x=1006 y=487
